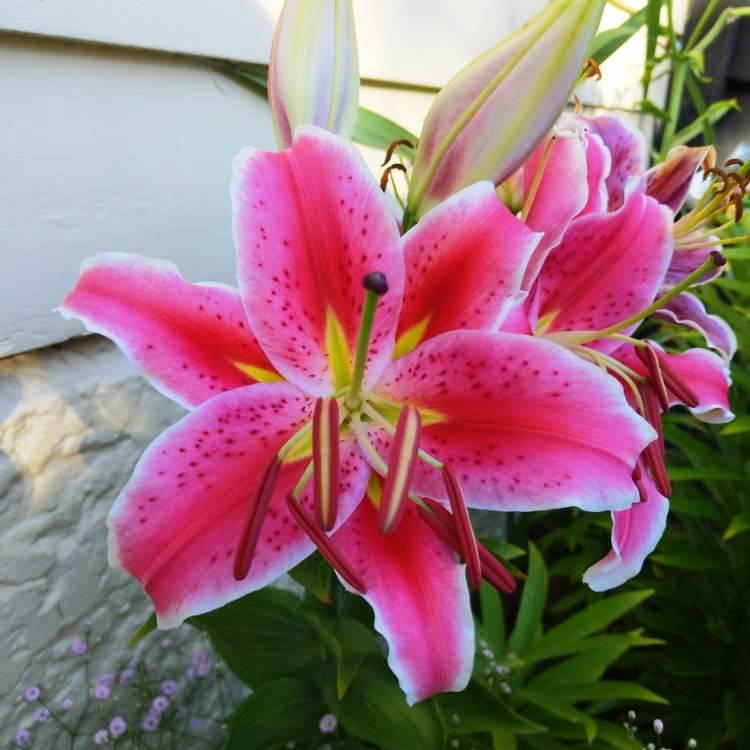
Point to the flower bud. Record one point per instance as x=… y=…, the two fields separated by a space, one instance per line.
x=490 y=116
x=313 y=75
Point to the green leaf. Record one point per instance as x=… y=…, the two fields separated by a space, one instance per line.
x=737 y=525
x=314 y=573
x=533 y=599
x=588 y=666
x=608 y=42
x=148 y=626
x=714 y=112
x=476 y=709
x=691 y=560
x=561 y=708
x=374 y=709
x=690 y=475
x=603 y=690
x=286 y=710
x=493 y=621
x=356 y=641
x=738 y=427
x=372 y=129
x=261 y=636
x=592 y=619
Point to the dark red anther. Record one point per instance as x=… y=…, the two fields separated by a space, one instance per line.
x=403 y=461
x=325 y=545
x=387 y=174
x=393 y=146
x=676 y=384
x=719 y=258
x=444 y=525
x=654 y=454
x=638 y=481
x=647 y=354
x=733 y=163
x=251 y=532
x=325 y=445
x=466 y=537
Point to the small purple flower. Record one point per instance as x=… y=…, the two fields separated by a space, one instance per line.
x=328 y=723
x=32 y=693
x=23 y=737
x=165 y=642
x=79 y=648
x=160 y=704
x=190 y=673
x=101 y=692
x=107 y=679
x=150 y=723
x=101 y=737
x=41 y=714
x=169 y=687
x=67 y=704
x=126 y=676
x=658 y=726
x=194 y=724
x=117 y=726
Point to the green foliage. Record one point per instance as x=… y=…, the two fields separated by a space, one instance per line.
x=308 y=656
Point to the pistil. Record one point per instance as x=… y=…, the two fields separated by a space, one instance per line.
x=376 y=285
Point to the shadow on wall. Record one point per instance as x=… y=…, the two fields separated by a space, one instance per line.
x=75 y=419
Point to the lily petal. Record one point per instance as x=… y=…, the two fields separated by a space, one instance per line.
x=177 y=522
x=607 y=267
x=523 y=423
x=556 y=189
x=627 y=148
x=708 y=377
x=192 y=341
x=705 y=374
x=687 y=310
x=313 y=73
x=464 y=265
x=309 y=224
x=684 y=262
x=669 y=182
x=492 y=114
x=635 y=534
x=417 y=589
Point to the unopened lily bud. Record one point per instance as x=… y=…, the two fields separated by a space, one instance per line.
x=490 y=116
x=313 y=75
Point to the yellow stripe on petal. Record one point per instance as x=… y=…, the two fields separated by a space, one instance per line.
x=411 y=337
x=337 y=347
x=259 y=374
x=544 y=323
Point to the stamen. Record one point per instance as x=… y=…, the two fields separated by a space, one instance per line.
x=387 y=173
x=376 y=285
x=444 y=525
x=393 y=146
x=534 y=189
x=654 y=454
x=650 y=359
x=733 y=163
x=676 y=384
x=325 y=545
x=591 y=69
x=638 y=481
x=466 y=537
x=403 y=459
x=251 y=533
x=326 y=461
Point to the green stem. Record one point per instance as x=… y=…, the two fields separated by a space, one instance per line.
x=707 y=13
x=363 y=342
x=677 y=88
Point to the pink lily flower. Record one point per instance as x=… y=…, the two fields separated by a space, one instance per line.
x=608 y=271
x=297 y=399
